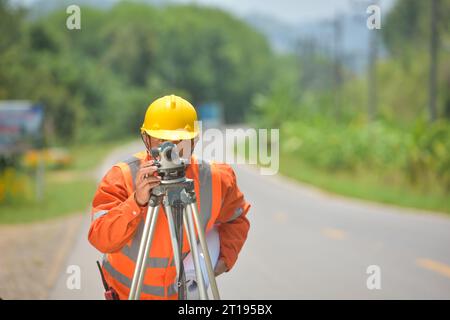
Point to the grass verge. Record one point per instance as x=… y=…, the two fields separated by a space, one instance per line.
x=364 y=186
x=66 y=191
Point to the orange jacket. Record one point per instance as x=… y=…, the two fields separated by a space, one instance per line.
x=117 y=224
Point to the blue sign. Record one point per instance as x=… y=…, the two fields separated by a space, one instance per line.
x=210 y=114
x=20 y=124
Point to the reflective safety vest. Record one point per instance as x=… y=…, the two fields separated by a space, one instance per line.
x=160 y=272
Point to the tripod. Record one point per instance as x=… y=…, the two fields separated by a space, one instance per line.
x=179 y=201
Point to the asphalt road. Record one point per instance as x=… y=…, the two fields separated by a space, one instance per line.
x=307 y=244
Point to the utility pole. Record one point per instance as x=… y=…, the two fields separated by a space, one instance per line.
x=337 y=64
x=372 y=54
x=434 y=43
x=372 y=85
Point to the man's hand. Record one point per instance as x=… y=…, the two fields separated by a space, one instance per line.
x=220 y=268
x=145 y=181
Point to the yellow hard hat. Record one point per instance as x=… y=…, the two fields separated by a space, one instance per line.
x=170 y=118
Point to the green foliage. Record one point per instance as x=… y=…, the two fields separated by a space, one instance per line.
x=365 y=185
x=57 y=202
x=66 y=191
x=399 y=150
x=406 y=34
x=407 y=27
x=97 y=82
x=428 y=154
x=15 y=186
x=421 y=154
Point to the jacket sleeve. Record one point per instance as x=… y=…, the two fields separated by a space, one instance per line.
x=115 y=214
x=233 y=224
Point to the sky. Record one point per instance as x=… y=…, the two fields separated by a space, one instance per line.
x=293 y=11
x=289 y=11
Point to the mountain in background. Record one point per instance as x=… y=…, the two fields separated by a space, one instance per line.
x=288 y=38
x=42 y=7
x=283 y=37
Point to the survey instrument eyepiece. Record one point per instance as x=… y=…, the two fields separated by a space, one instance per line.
x=171 y=168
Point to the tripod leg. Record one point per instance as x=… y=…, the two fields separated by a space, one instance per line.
x=173 y=236
x=176 y=235
x=144 y=248
x=204 y=245
x=195 y=254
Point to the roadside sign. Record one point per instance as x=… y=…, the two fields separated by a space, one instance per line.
x=211 y=115
x=20 y=125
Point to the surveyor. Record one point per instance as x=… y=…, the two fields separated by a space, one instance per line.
x=121 y=201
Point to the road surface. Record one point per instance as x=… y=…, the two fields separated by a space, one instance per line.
x=306 y=244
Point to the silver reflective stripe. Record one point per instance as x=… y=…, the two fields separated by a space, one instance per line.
x=132 y=251
x=100 y=213
x=205 y=182
x=236 y=214
x=123 y=279
x=134 y=165
x=152 y=262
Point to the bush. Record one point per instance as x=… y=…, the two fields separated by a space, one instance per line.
x=14 y=186
x=420 y=154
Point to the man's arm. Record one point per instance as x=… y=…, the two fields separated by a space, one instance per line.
x=233 y=224
x=115 y=214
